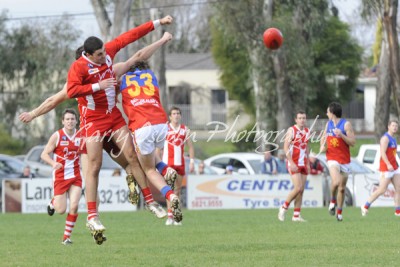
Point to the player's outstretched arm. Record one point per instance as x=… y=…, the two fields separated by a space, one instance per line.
x=49 y=104
x=141 y=55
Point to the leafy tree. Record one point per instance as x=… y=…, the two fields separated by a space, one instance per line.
x=35 y=61
x=8 y=144
x=317 y=47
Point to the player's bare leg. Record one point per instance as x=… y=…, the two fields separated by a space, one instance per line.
x=135 y=174
x=297 y=189
x=95 y=155
x=148 y=164
x=383 y=185
x=74 y=193
x=298 y=201
x=341 y=196
x=334 y=172
x=58 y=204
x=396 y=184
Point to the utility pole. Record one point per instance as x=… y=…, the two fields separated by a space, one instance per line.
x=157 y=61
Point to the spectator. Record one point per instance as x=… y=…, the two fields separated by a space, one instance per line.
x=281 y=161
x=269 y=165
x=200 y=170
x=315 y=165
x=27 y=173
x=229 y=169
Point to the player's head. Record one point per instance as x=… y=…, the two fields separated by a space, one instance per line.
x=175 y=114
x=94 y=50
x=69 y=118
x=78 y=52
x=300 y=118
x=393 y=126
x=140 y=65
x=334 y=108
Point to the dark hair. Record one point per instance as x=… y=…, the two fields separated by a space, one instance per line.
x=141 y=65
x=78 y=52
x=174 y=108
x=336 y=109
x=299 y=112
x=393 y=121
x=92 y=44
x=70 y=111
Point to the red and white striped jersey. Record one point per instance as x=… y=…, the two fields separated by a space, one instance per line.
x=84 y=75
x=66 y=153
x=298 y=147
x=174 y=146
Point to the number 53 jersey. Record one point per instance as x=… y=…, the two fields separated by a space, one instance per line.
x=141 y=99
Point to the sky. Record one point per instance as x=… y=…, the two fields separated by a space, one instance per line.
x=31 y=8
x=88 y=25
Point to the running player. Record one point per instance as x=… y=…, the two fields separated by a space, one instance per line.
x=336 y=140
x=64 y=144
x=296 y=150
x=177 y=137
x=390 y=172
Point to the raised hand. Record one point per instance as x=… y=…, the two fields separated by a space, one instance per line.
x=166 y=20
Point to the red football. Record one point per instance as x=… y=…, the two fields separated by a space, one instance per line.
x=273 y=38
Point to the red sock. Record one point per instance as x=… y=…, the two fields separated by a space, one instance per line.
x=170 y=215
x=164 y=171
x=148 y=197
x=286 y=205
x=339 y=211
x=69 y=225
x=92 y=210
x=296 y=212
x=168 y=195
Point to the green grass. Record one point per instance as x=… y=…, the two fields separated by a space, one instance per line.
x=207 y=238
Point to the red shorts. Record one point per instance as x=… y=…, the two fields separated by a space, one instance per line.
x=179 y=169
x=300 y=169
x=100 y=123
x=62 y=186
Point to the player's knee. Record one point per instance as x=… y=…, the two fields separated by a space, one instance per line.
x=298 y=190
x=61 y=210
x=342 y=190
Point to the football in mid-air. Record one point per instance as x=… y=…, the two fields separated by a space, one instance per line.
x=273 y=38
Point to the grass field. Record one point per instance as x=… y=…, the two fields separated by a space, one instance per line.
x=207 y=238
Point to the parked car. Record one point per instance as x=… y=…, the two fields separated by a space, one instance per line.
x=20 y=157
x=369 y=155
x=42 y=169
x=242 y=163
x=356 y=168
x=11 y=167
x=38 y=166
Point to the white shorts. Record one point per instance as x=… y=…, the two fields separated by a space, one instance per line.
x=389 y=174
x=147 y=138
x=345 y=168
